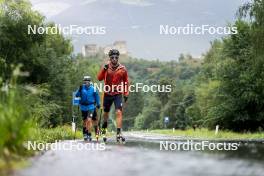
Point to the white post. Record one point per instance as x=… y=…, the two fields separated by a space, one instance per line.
x=173 y=130
x=73 y=127
x=216 y=129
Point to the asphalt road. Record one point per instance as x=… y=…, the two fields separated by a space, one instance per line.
x=141 y=155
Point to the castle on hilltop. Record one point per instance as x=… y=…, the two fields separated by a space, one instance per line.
x=92 y=49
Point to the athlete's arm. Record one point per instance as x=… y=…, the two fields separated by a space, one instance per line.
x=102 y=72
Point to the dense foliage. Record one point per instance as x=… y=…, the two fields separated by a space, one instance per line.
x=38 y=74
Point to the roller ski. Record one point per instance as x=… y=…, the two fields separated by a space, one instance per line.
x=120 y=139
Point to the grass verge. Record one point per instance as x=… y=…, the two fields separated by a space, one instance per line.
x=210 y=134
x=11 y=161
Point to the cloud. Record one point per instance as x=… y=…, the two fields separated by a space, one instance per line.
x=141 y=3
x=50 y=9
x=135 y=26
x=88 y=2
x=173 y=1
x=207 y=13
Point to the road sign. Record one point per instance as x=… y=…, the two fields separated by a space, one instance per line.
x=75 y=100
x=166 y=119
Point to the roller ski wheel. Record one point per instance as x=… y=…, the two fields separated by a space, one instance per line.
x=120 y=139
x=97 y=137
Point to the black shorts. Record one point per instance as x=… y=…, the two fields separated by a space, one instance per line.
x=108 y=101
x=89 y=114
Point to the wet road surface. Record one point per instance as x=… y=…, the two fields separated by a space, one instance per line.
x=141 y=155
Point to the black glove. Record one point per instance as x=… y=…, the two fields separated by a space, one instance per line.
x=125 y=98
x=98 y=106
x=106 y=66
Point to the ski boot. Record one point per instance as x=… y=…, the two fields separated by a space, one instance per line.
x=85 y=137
x=120 y=139
x=89 y=137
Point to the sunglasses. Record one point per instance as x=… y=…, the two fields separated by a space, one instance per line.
x=114 y=57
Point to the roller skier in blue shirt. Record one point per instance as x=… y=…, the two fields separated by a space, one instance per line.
x=89 y=101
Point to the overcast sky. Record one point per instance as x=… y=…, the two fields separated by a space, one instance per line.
x=138 y=22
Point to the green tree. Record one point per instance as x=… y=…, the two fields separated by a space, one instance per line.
x=133 y=107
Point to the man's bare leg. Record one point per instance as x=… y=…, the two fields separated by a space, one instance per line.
x=119 y=118
x=89 y=125
x=85 y=129
x=96 y=129
x=95 y=125
x=106 y=116
x=104 y=126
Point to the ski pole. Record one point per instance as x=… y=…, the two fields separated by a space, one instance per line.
x=99 y=121
x=101 y=111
